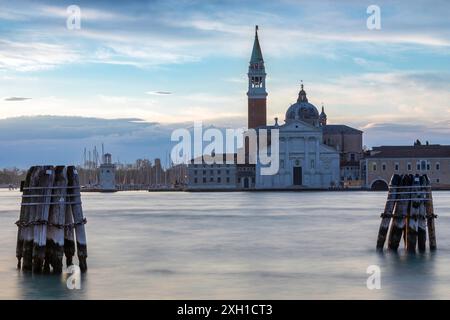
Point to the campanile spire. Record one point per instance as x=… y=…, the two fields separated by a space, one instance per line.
x=257 y=95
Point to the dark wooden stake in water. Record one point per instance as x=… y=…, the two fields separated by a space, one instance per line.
x=430 y=216
x=56 y=220
x=422 y=225
x=77 y=212
x=46 y=176
x=50 y=211
x=69 y=237
x=23 y=217
x=387 y=213
x=410 y=199
x=412 y=225
x=401 y=211
x=30 y=217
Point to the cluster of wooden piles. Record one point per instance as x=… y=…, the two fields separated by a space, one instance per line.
x=51 y=218
x=409 y=213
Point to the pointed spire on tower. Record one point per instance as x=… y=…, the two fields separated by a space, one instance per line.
x=257 y=56
x=257 y=94
x=323 y=117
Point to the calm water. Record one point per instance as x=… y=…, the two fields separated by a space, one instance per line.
x=269 y=245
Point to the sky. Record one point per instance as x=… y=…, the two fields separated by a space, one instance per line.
x=136 y=70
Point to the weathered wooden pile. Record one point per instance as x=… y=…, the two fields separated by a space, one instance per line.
x=51 y=218
x=409 y=213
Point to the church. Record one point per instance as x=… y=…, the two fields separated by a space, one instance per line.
x=305 y=161
x=312 y=154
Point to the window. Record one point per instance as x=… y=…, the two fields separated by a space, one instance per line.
x=195 y=172
x=437 y=180
x=423 y=165
x=239 y=180
x=204 y=180
x=253 y=180
x=211 y=179
x=397 y=166
x=418 y=166
x=218 y=171
x=352 y=157
x=313 y=164
x=438 y=166
x=219 y=179
x=228 y=180
x=195 y=180
x=228 y=171
x=383 y=166
x=204 y=171
x=282 y=163
x=409 y=166
x=374 y=166
x=428 y=165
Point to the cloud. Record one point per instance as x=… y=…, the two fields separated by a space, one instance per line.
x=65 y=127
x=369 y=64
x=25 y=141
x=158 y=93
x=16 y=99
x=161 y=33
x=33 y=56
x=86 y=13
x=392 y=133
x=372 y=97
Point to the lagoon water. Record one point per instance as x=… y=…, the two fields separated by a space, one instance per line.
x=254 y=245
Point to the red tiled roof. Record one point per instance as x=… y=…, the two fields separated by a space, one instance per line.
x=422 y=151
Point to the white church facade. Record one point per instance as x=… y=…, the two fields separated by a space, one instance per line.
x=305 y=162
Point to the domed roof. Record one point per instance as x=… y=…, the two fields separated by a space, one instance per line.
x=303 y=110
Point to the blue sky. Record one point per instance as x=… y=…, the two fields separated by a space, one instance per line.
x=392 y=83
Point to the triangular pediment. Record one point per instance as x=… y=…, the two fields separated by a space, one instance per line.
x=298 y=126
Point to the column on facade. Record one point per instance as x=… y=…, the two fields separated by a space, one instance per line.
x=317 y=164
x=286 y=174
x=306 y=143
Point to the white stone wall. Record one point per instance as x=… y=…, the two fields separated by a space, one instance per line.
x=301 y=146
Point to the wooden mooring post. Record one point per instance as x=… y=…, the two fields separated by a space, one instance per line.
x=409 y=214
x=50 y=211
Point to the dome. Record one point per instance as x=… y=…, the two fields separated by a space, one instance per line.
x=303 y=110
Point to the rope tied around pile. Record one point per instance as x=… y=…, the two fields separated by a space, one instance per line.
x=69 y=226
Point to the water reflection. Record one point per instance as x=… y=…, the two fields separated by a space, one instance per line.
x=266 y=245
x=48 y=286
x=408 y=276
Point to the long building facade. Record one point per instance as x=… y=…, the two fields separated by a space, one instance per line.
x=380 y=163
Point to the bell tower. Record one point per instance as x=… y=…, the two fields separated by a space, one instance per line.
x=257 y=95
